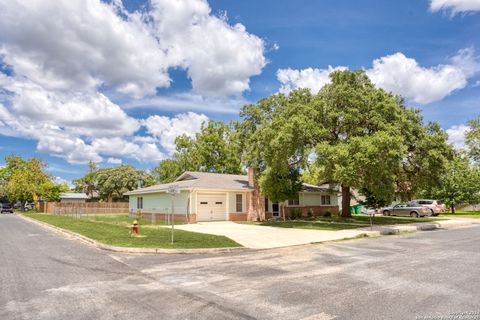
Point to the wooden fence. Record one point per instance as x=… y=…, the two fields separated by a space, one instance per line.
x=83 y=208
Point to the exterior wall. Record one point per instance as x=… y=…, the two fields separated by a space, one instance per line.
x=315 y=199
x=192 y=218
x=233 y=215
x=232 y=202
x=308 y=201
x=160 y=203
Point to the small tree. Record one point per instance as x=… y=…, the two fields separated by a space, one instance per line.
x=112 y=183
x=25 y=179
x=50 y=191
x=460 y=184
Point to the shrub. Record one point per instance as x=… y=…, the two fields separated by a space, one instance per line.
x=310 y=213
x=327 y=214
x=295 y=214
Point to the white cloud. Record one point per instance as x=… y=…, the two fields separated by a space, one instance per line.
x=65 y=56
x=167 y=129
x=455 y=5
x=402 y=75
x=219 y=58
x=82 y=44
x=398 y=74
x=456 y=135
x=313 y=79
x=114 y=161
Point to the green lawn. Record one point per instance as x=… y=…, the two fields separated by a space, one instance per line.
x=466 y=214
x=110 y=233
x=337 y=223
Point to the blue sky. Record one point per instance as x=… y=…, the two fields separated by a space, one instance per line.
x=141 y=72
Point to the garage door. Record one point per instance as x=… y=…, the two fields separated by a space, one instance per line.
x=211 y=207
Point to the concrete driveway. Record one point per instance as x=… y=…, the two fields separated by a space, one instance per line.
x=262 y=237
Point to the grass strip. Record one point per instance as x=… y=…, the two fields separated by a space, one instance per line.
x=118 y=235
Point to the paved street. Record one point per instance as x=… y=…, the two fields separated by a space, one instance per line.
x=45 y=276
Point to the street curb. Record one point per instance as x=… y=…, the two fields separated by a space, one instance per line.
x=106 y=247
x=422 y=226
x=380 y=231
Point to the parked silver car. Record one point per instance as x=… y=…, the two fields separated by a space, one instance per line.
x=408 y=210
x=435 y=206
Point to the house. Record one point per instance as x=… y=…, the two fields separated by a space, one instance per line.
x=215 y=197
x=73 y=197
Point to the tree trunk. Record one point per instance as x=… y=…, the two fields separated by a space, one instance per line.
x=452 y=208
x=346 y=202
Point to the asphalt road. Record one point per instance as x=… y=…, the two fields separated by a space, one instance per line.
x=426 y=275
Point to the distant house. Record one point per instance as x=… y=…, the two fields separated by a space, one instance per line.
x=73 y=197
x=215 y=197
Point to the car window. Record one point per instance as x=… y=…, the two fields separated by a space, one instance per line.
x=425 y=202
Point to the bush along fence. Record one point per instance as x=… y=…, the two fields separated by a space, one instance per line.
x=59 y=208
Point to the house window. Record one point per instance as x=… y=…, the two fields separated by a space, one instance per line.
x=140 y=203
x=239 y=202
x=294 y=202
x=326 y=200
x=266 y=205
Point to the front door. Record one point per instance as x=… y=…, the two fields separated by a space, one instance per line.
x=275 y=209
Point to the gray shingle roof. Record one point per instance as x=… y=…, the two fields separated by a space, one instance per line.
x=206 y=180
x=202 y=180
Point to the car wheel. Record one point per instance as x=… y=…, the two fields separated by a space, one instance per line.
x=413 y=214
x=386 y=213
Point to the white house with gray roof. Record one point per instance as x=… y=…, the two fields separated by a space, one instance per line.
x=215 y=197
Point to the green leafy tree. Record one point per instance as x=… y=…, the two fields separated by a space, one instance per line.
x=372 y=201
x=50 y=191
x=167 y=171
x=216 y=148
x=472 y=139
x=425 y=162
x=459 y=184
x=86 y=184
x=277 y=135
x=25 y=178
x=362 y=144
x=112 y=183
x=350 y=133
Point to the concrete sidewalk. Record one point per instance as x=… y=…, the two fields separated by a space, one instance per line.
x=263 y=237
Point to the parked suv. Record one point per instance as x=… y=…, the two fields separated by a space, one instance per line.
x=435 y=206
x=407 y=209
x=6 y=208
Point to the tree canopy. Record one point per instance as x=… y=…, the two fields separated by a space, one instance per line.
x=112 y=183
x=216 y=148
x=459 y=184
x=472 y=139
x=21 y=179
x=350 y=132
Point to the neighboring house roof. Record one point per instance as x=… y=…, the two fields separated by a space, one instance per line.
x=73 y=196
x=313 y=188
x=206 y=180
